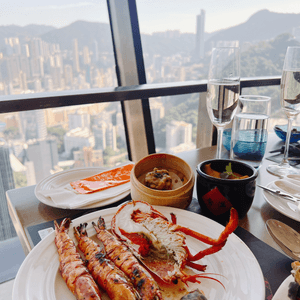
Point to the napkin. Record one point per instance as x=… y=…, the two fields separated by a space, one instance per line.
x=100 y=187
x=66 y=197
x=103 y=180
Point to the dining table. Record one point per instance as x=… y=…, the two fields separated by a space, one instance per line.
x=30 y=217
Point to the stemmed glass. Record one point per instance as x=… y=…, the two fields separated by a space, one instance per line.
x=290 y=103
x=223 y=88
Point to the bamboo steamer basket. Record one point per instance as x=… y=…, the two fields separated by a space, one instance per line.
x=180 y=197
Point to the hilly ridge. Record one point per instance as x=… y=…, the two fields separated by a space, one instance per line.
x=23 y=33
x=85 y=32
x=261 y=26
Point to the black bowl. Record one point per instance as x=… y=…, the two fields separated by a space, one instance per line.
x=217 y=195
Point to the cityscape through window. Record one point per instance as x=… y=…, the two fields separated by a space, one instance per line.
x=42 y=51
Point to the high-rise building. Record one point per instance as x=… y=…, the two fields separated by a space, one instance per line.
x=25 y=66
x=99 y=134
x=36 y=47
x=86 y=55
x=23 y=81
x=56 y=76
x=105 y=136
x=33 y=124
x=199 y=49
x=111 y=136
x=37 y=66
x=77 y=139
x=96 y=51
x=6 y=183
x=157 y=111
x=178 y=132
x=78 y=119
x=44 y=155
x=68 y=75
x=13 y=65
x=88 y=157
x=76 y=67
x=25 y=50
x=120 y=125
x=12 y=46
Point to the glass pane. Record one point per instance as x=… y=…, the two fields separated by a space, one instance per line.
x=174 y=121
x=177 y=39
x=36 y=144
x=53 y=47
x=69 y=47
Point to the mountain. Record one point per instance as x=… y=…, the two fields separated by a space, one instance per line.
x=85 y=32
x=263 y=25
x=23 y=33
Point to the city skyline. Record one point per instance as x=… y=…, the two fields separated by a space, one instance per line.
x=221 y=14
x=56 y=139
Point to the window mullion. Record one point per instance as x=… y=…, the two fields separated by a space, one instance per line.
x=130 y=71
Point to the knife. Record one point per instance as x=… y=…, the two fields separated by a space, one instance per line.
x=280 y=193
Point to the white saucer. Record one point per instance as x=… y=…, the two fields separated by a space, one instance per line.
x=282 y=292
x=60 y=179
x=286 y=207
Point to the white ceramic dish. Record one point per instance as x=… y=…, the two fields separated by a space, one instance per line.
x=282 y=292
x=61 y=179
x=38 y=277
x=286 y=207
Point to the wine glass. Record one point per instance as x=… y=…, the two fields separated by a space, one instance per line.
x=223 y=88
x=290 y=103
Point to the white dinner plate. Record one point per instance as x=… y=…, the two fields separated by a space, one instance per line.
x=38 y=277
x=282 y=292
x=286 y=207
x=59 y=180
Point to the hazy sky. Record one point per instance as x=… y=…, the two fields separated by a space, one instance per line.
x=154 y=15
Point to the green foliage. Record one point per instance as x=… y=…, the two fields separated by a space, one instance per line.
x=262 y=59
x=185 y=111
x=20 y=179
x=107 y=153
x=11 y=133
x=71 y=157
x=266 y=58
x=59 y=133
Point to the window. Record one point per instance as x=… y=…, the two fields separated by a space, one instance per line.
x=47 y=48
x=177 y=38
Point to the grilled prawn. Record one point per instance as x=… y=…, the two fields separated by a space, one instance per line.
x=127 y=262
x=160 y=244
x=72 y=268
x=106 y=274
